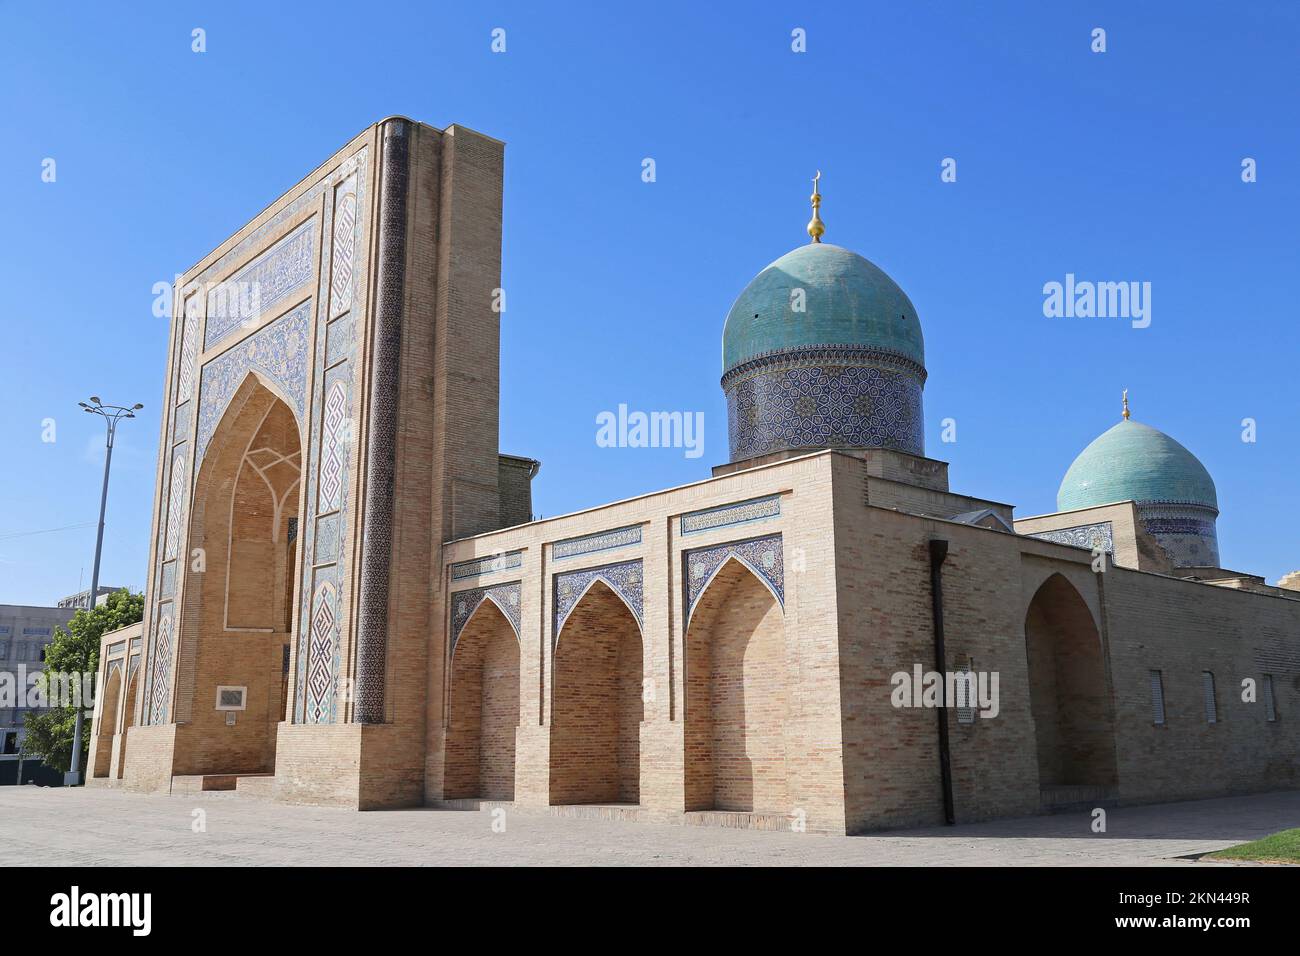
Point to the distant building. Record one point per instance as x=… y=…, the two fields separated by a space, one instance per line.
x=25 y=632
x=82 y=598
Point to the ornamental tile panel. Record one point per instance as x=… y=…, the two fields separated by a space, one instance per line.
x=189 y=350
x=160 y=681
x=487 y=565
x=278 y=351
x=259 y=286
x=601 y=541
x=742 y=512
x=464 y=603
x=1081 y=536
x=626 y=579
x=322 y=682
x=763 y=556
x=322 y=535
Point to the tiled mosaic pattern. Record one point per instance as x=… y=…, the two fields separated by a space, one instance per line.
x=381 y=441
x=763 y=556
x=327 y=538
x=1187 y=532
x=278 y=351
x=322 y=679
x=323 y=529
x=601 y=541
x=259 y=286
x=1082 y=536
x=755 y=509
x=189 y=350
x=160 y=681
x=175 y=507
x=819 y=398
x=465 y=603
x=335 y=435
x=625 y=579
x=493 y=562
x=345 y=243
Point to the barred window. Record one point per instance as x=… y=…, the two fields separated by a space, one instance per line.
x=1270 y=707
x=964 y=686
x=1207 y=685
x=1157 y=698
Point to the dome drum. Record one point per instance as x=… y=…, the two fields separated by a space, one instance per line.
x=825 y=397
x=1186 y=531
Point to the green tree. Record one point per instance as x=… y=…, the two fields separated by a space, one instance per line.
x=75 y=651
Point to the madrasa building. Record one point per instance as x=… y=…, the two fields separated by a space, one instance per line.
x=350 y=604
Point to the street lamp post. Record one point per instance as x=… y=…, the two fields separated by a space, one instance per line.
x=111 y=414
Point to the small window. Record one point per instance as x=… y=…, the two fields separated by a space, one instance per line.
x=1270 y=706
x=4 y=652
x=1207 y=685
x=1157 y=698
x=231 y=698
x=964 y=690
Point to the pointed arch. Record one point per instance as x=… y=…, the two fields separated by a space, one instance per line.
x=1068 y=689
x=597 y=706
x=466 y=604
x=737 y=694
x=763 y=556
x=582 y=596
x=107 y=719
x=625 y=580
x=246 y=502
x=251 y=382
x=483 y=707
x=128 y=714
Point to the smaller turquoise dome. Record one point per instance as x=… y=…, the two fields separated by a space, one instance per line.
x=1136 y=462
x=848 y=301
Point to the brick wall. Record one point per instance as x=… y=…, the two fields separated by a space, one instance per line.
x=596 y=729
x=483 y=714
x=737 y=701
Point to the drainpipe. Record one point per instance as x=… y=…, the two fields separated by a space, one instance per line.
x=938 y=554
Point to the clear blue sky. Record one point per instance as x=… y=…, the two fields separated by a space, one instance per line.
x=1116 y=166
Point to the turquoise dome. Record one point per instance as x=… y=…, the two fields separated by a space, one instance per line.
x=1136 y=462
x=848 y=301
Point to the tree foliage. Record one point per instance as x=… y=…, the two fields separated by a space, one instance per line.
x=75 y=651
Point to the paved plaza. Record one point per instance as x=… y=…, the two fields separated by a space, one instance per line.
x=80 y=827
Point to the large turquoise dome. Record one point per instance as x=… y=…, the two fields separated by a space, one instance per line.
x=847 y=300
x=1174 y=493
x=1135 y=462
x=823 y=350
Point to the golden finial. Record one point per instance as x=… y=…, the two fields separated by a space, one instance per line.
x=1126 y=404
x=816 y=228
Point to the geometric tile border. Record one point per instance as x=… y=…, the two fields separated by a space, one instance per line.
x=601 y=541
x=1081 y=536
x=756 y=509
x=493 y=562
